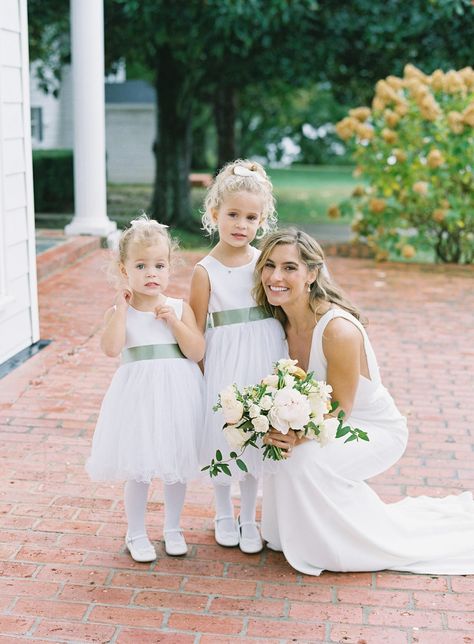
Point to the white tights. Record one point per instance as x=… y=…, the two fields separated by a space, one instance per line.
x=248 y=505
x=135 y=499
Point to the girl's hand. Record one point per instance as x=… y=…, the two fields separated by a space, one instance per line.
x=123 y=297
x=285 y=442
x=166 y=313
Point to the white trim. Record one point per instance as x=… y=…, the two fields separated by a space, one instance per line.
x=30 y=208
x=3 y=267
x=5 y=300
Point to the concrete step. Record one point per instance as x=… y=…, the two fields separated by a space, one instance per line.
x=55 y=251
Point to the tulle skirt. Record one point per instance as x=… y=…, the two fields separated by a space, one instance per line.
x=149 y=422
x=242 y=354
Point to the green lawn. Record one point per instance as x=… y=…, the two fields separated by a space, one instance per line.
x=303 y=194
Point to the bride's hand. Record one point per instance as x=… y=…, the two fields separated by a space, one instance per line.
x=285 y=442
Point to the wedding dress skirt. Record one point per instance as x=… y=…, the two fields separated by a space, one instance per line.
x=318 y=509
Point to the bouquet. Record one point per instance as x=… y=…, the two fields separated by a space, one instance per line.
x=287 y=399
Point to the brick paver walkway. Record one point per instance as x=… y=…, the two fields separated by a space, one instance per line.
x=64 y=574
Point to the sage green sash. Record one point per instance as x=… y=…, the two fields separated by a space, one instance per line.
x=237 y=316
x=151 y=352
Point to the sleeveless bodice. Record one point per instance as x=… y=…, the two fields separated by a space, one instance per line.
x=371 y=399
x=142 y=328
x=231 y=286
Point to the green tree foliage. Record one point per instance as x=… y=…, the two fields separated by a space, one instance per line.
x=222 y=52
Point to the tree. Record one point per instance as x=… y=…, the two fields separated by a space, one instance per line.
x=210 y=51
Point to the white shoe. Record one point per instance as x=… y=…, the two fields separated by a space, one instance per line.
x=250 y=545
x=175 y=544
x=227 y=538
x=142 y=552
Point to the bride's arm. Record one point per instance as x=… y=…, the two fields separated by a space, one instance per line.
x=342 y=346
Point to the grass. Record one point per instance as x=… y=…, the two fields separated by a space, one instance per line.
x=303 y=194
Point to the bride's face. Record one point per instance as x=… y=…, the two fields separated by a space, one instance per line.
x=285 y=277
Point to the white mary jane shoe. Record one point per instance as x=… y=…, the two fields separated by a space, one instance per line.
x=226 y=538
x=253 y=545
x=175 y=544
x=141 y=554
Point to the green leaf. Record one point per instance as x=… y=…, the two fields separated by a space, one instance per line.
x=225 y=468
x=241 y=465
x=342 y=431
x=203 y=469
x=352 y=437
x=219 y=455
x=233 y=454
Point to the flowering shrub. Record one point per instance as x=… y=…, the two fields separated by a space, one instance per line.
x=415 y=148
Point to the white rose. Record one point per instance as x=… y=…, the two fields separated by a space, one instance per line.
x=319 y=407
x=290 y=410
x=289 y=380
x=327 y=431
x=287 y=365
x=232 y=408
x=266 y=402
x=254 y=410
x=270 y=381
x=261 y=424
x=235 y=436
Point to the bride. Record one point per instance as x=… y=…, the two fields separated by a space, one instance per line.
x=317 y=507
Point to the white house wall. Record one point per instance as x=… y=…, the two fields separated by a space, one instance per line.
x=19 y=326
x=129 y=133
x=57 y=117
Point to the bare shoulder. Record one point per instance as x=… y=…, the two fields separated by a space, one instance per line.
x=341 y=335
x=200 y=277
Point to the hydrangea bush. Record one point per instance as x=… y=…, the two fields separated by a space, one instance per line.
x=415 y=149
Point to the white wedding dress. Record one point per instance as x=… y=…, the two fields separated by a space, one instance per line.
x=318 y=509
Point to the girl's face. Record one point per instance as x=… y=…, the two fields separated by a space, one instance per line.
x=238 y=218
x=285 y=278
x=147 y=268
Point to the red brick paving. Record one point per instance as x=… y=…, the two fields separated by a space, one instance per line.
x=64 y=575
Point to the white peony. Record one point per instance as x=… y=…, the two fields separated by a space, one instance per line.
x=291 y=410
x=235 y=436
x=327 y=431
x=232 y=408
x=266 y=402
x=261 y=424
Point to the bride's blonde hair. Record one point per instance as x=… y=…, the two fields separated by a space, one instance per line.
x=310 y=253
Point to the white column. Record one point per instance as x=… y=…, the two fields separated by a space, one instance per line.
x=87 y=52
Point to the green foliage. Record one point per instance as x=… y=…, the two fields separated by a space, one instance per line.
x=415 y=148
x=53 y=180
x=306 y=116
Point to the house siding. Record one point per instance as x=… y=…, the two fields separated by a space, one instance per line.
x=130 y=132
x=19 y=325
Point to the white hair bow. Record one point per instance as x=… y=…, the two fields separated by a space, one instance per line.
x=242 y=171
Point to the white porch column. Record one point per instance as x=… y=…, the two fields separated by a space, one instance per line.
x=87 y=51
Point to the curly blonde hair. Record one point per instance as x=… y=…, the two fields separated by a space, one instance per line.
x=253 y=179
x=143 y=231
x=310 y=253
